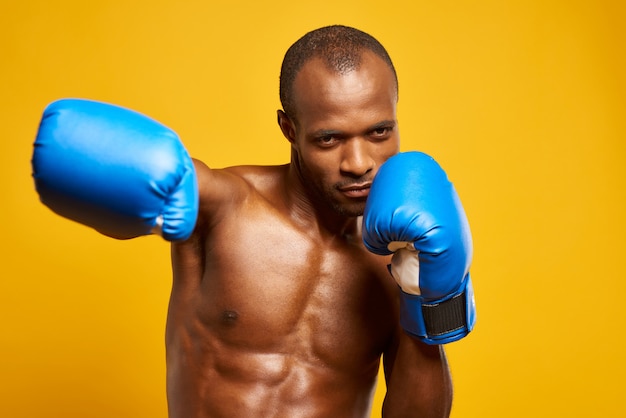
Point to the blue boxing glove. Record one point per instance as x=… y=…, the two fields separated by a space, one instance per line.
x=114 y=170
x=414 y=212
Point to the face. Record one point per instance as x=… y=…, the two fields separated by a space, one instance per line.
x=345 y=127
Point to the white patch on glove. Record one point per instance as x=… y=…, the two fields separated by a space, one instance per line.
x=405 y=266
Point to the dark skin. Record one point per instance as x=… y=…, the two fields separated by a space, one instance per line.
x=277 y=309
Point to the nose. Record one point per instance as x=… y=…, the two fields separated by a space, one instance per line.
x=356 y=159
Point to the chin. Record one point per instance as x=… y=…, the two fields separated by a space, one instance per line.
x=349 y=211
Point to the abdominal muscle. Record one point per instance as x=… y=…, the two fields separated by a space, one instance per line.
x=220 y=373
x=240 y=347
x=242 y=383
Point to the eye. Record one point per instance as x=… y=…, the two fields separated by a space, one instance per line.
x=381 y=132
x=327 y=140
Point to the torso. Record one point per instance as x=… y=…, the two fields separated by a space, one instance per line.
x=270 y=319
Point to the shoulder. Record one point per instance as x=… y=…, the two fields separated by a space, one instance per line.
x=221 y=189
x=265 y=181
x=236 y=179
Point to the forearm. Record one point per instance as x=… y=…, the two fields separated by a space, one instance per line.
x=419 y=382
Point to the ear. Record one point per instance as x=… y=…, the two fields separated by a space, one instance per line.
x=286 y=126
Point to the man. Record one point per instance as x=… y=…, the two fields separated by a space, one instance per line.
x=277 y=307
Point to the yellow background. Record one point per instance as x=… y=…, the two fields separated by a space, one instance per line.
x=523 y=102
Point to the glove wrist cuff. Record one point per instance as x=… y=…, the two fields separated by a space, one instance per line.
x=439 y=321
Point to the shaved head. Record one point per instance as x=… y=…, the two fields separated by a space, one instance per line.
x=340 y=48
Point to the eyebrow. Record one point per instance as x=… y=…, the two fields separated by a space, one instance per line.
x=383 y=124
x=334 y=132
x=326 y=132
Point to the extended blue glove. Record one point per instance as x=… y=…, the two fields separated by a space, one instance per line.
x=414 y=212
x=114 y=170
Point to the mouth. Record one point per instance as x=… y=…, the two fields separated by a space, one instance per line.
x=356 y=191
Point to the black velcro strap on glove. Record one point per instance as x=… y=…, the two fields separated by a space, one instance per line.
x=447 y=316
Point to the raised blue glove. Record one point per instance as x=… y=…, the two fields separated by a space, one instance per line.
x=414 y=212
x=114 y=170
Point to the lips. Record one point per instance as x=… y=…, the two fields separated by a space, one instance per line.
x=361 y=190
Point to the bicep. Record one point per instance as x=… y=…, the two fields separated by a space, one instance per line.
x=217 y=189
x=418 y=379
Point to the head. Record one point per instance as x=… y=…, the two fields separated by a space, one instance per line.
x=339 y=47
x=339 y=92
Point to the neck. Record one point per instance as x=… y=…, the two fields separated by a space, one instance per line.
x=312 y=212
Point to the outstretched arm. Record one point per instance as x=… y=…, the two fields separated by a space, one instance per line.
x=123 y=173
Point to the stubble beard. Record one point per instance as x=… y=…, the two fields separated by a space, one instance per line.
x=349 y=211
x=326 y=194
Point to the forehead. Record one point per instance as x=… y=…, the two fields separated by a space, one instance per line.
x=323 y=94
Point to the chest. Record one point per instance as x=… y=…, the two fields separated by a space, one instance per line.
x=269 y=285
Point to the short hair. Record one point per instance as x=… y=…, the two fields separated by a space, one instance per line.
x=340 y=48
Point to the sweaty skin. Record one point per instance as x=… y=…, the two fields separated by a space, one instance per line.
x=277 y=309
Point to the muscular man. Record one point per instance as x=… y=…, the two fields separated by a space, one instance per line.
x=278 y=309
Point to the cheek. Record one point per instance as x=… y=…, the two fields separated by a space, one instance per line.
x=392 y=146
x=388 y=150
x=318 y=167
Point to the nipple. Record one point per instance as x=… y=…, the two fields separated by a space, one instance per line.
x=230 y=317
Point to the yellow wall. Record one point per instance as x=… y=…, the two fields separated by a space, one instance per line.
x=523 y=102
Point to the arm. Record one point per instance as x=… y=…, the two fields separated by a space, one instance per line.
x=414 y=212
x=125 y=175
x=218 y=190
x=418 y=380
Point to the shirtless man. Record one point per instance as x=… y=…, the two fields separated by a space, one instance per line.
x=278 y=309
